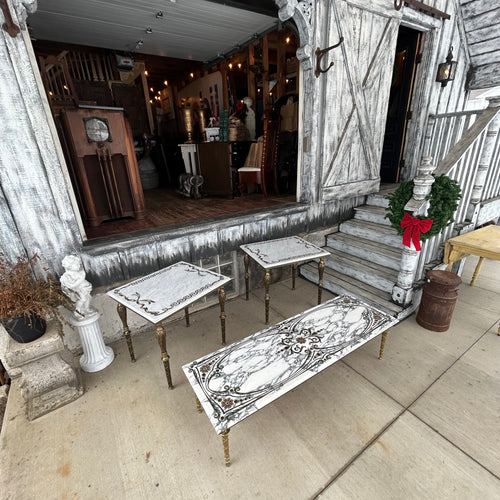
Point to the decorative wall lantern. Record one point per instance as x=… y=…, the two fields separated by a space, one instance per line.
x=446 y=70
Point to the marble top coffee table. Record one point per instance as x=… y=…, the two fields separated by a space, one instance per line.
x=240 y=379
x=283 y=251
x=157 y=296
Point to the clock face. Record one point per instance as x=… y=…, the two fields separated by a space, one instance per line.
x=97 y=129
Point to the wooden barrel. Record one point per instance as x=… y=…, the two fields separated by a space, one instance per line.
x=439 y=297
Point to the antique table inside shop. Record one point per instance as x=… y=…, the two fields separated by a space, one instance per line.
x=484 y=242
x=240 y=379
x=161 y=294
x=283 y=251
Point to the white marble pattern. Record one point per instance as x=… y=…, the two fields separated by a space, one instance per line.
x=237 y=380
x=283 y=251
x=163 y=293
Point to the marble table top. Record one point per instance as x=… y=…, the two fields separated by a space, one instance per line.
x=161 y=294
x=237 y=380
x=275 y=253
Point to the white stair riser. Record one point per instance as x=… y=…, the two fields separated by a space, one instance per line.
x=368 y=216
x=364 y=276
x=371 y=234
x=369 y=255
x=378 y=201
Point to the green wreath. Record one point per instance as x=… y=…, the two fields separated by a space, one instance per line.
x=443 y=199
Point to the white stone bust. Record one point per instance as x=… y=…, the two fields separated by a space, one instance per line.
x=76 y=287
x=250 y=117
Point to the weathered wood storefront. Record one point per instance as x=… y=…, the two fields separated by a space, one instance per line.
x=343 y=112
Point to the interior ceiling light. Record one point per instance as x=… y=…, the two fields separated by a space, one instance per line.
x=139 y=44
x=159 y=15
x=149 y=30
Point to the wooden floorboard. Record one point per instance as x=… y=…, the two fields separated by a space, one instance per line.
x=165 y=207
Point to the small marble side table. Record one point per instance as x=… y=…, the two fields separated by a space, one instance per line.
x=283 y=251
x=159 y=295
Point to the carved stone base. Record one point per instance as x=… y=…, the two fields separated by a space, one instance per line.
x=96 y=356
x=48 y=378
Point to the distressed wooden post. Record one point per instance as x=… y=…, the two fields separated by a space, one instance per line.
x=402 y=292
x=484 y=162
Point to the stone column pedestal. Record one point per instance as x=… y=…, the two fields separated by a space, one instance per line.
x=48 y=378
x=96 y=356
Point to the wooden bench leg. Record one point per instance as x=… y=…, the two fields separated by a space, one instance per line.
x=382 y=344
x=225 y=444
x=122 y=312
x=222 y=301
x=476 y=271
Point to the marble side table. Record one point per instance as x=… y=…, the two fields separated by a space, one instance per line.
x=283 y=251
x=159 y=295
x=236 y=381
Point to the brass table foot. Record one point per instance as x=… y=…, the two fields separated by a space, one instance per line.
x=162 y=342
x=222 y=301
x=122 y=312
x=225 y=444
x=382 y=344
x=246 y=259
x=186 y=315
x=267 y=282
x=198 y=406
x=321 y=270
x=294 y=272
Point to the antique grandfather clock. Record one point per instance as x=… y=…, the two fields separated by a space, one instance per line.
x=103 y=165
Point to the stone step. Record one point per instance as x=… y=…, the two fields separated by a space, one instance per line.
x=374 y=251
x=372 y=232
x=377 y=200
x=339 y=283
x=371 y=213
x=378 y=276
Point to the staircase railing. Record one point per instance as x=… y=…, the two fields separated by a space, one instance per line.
x=467 y=148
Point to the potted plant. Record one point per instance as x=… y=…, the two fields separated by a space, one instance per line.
x=26 y=302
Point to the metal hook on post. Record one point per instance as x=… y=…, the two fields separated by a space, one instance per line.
x=319 y=56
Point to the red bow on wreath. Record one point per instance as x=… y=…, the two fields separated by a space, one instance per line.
x=413 y=227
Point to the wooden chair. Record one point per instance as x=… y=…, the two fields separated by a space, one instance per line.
x=260 y=165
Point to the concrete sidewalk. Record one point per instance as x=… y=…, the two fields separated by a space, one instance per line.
x=423 y=422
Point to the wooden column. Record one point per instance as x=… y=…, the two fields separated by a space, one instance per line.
x=281 y=71
x=250 y=74
x=265 y=75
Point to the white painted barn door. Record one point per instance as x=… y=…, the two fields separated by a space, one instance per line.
x=356 y=96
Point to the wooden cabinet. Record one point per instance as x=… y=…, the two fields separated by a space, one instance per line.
x=103 y=165
x=215 y=167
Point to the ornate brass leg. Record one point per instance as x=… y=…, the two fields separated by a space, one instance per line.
x=476 y=271
x=222 y=301
x=321 y=270
x=225 y=444
x=382 y=344
x=267 y=282
x=122 y=312
x=498 y=329
x=294 y=272
x=198 y=406
x=186 y=314
x=162 y=341
x=247 y=276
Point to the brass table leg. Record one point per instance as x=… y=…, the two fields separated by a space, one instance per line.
x=186 y=314
x=122 y=312
x=498 y=329
x=321 y=270
x=162 y=341
x=382 y=344
x=476 y=271
x=267 y=282
x=246 y=259
x=222 y=301
x=225 y=444
x=198 y=406
x=294 y=272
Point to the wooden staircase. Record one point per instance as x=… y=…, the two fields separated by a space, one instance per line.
x=365 y=258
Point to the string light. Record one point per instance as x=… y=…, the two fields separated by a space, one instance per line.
x=165 y=83
x=230 y=65
x=239 y=65
x=146 y=72
x=287 y=39
x=191 y=75
x=151 y=89
x=159 y=92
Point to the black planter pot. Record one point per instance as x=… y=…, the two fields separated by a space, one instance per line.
x=25 y=329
